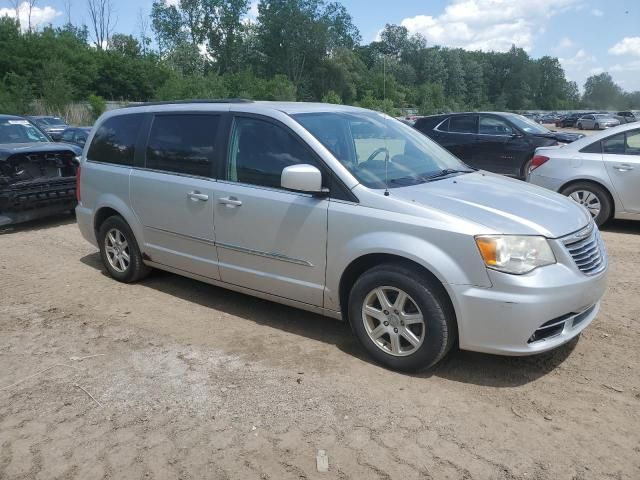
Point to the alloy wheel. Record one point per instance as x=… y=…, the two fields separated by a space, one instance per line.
x=587 y=199
x=117 y=250
x=393 y=321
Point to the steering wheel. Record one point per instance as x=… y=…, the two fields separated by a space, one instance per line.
x=378 y=151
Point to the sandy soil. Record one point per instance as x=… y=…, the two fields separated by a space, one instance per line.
x=194 y=382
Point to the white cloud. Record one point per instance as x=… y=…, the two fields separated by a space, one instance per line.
x=564 y=44
x=626 y=46
x=596 y=12
x=632 y=66
x=581 y=59
x=579 y=66
x=39 y=15
x=488 y=24
x=172 y=3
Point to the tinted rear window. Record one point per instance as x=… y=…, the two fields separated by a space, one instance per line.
x=183 y=143
x=115 y=140
x=595 y=147
x=462 y=124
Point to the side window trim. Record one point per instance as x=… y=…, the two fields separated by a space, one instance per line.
x=344 y=194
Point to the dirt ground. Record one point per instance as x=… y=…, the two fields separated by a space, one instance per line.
x=190 y=381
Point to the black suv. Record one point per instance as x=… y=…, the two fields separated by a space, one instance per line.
x=498 y=142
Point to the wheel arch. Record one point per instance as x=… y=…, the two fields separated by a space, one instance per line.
x=367 y=261
x=113 y=205
x=614 y=201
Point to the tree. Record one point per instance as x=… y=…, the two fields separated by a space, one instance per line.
x=600 y=91
x=295 y=35
x=394 y=39
x=103 y=22
x=215 y=25
x=143 y=30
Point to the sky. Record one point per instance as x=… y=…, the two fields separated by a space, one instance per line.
x=588 y=36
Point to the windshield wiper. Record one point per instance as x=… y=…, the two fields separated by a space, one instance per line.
x=445 y=173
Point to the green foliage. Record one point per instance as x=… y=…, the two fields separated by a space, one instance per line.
x=600 y=91
x=332 y=97
x=97 y=105
x=295 y=50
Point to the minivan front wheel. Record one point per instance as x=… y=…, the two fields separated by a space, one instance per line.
x=402 y=319
x=119 y=251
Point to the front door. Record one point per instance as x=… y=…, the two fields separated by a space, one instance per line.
x=173 y=195
x=269 y=239
x=621 y=155
x=499 y=148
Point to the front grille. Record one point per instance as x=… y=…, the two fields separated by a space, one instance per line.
x=587 y=250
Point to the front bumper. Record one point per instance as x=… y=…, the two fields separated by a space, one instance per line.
x=504 y=319
x=28 y=200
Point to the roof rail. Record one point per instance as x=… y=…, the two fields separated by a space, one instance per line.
x=195 y=100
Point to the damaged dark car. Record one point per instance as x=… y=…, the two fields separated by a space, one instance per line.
x=37 y=176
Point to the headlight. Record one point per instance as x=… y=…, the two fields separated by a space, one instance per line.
x=515 y=254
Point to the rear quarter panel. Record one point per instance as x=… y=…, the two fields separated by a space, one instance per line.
x=564 y=168
x=107 y=186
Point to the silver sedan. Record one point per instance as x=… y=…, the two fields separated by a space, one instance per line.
x=597 y=121
x=600 y=172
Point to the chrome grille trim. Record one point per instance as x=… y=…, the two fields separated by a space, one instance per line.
x=587 y=250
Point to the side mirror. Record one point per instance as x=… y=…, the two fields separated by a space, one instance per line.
x=302 y=178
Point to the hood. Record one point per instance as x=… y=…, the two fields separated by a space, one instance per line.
x=501 y=204
x=8 y=149
x=564 y=137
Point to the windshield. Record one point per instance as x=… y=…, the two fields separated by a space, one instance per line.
x=526 y=125
x=364 y=141
x=52 y=121
x=20 y=131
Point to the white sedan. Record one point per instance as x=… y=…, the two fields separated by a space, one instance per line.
x=597 y=121
x=600 y=172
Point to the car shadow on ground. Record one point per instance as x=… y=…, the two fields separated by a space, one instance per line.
x=459 y=366
x=39 y=224
x=622 y=226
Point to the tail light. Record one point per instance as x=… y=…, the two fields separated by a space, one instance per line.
x=78 y=184
x=537 y=161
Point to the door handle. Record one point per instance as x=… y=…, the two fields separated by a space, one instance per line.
x=230 y=202
x=623 y=168
x=197 y=196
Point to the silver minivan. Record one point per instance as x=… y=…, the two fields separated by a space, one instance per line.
x=344 y=212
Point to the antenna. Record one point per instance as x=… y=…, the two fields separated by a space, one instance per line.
x=386 y=145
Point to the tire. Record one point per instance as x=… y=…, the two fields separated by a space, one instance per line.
x=601 y=194
x=424 y=297
x=579 y=126
x=127 y=272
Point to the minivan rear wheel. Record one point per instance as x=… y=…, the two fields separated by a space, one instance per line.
x=593 y=197
x=403 y=320
x=119 y=251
